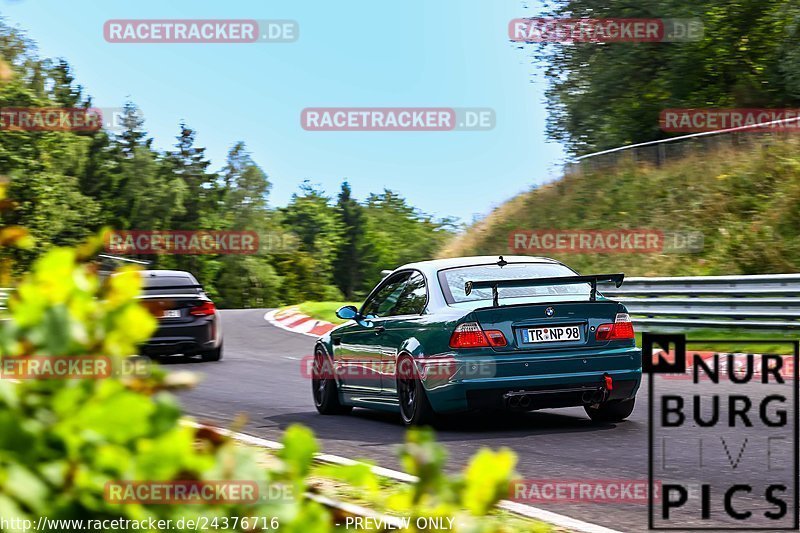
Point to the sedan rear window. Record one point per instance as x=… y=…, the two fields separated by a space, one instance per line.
x=155 y=282
x=170 y=284
x=454 y=279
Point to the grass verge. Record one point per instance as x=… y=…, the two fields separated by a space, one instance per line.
x=773 y=347
x=375 y=493
x=324 y=310
x=743 y=200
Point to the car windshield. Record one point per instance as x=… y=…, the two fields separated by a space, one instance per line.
x=454 y=279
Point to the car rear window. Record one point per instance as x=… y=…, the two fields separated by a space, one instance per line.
x=454 y=279
x=170 y=284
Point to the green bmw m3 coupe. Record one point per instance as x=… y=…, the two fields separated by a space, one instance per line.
x=481 y=333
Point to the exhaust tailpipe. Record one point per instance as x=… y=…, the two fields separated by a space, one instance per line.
x=593 y=396
x=525 y=402
x=513 y=401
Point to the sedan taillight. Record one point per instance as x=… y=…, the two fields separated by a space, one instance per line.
x=622 y=328
x=204 y=309
x=496 y=337
x=470 y=335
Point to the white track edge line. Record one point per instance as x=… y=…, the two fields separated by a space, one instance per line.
x=522 y=509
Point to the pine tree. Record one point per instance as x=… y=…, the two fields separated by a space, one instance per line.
x=348 y=265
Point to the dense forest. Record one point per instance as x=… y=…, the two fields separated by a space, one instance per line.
x=607 y=95
x=65 y=186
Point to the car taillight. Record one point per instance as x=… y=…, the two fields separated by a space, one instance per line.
x=470 y=335
x=496 y=337
x=622 y=328
x=204 y=309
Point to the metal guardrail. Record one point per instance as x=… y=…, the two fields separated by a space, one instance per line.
x=769 y=302
x=761 y=302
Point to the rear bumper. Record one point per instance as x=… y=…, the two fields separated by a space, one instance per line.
x=202 y=334
x=555 y=380
x=550 y=397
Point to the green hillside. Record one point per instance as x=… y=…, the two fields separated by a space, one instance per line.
x=745 y=201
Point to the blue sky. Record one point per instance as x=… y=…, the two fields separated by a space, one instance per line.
x=444 y=53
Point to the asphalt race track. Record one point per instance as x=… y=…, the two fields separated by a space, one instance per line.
x=260 y=376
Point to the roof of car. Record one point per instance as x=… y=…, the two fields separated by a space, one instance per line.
x=164 y=273
x=454 y=262
x=155 y=279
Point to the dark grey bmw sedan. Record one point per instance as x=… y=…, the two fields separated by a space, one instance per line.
x=188 y=321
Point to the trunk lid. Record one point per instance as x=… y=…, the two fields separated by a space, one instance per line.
x=541 y=327
x=172 y=309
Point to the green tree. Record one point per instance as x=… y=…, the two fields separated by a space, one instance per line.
x=64 y=90
x=351 y=257
x=311 y=217
x=189 y=163
x=44 y=167
x=133 y=133
x=606 y=95
x=249 y=281
x=245 y=189
x=307 y=270
x=399 y=233
x=66 y=185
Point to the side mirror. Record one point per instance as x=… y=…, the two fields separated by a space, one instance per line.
x=348 y=312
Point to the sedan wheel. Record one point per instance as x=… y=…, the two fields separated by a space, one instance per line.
x=415 y=409
x=212 y=355
x=324 y=389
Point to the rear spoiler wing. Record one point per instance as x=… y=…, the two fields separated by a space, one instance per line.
x=538 y=282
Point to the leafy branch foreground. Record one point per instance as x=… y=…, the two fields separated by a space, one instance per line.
x=62 y=441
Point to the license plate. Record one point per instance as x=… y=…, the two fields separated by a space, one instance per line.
x=553 y=334
x=171 y=313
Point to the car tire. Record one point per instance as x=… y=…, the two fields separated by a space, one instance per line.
x=324 y=389
x=212 y=355
x=415 y=409
x=616 y=411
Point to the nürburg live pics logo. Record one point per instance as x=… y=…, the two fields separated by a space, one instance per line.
x=723 y=443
